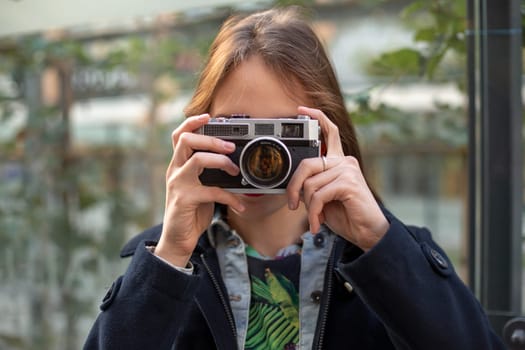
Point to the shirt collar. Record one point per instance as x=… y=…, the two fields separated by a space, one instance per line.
x=219 y=228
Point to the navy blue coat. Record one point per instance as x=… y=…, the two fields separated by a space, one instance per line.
x=406 y=295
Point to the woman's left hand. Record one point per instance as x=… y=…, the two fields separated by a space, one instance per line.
x=335 y=191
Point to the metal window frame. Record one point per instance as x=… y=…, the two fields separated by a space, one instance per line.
x=495 y=156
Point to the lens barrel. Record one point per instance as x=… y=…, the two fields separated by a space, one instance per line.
x=265 y=162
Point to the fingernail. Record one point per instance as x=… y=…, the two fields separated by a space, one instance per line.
x=291 y=205
x=229 y=146
x=203 y=116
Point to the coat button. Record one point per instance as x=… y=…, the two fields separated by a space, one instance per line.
x=440 y=260
x=111 y=294
x=348 y=287
x=316 y=296
x=319 y=240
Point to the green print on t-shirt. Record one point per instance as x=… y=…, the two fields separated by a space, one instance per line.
x=274 y=317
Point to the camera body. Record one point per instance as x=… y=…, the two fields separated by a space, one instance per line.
x=267 y=151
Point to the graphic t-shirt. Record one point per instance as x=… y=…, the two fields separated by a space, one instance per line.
x=274 y=308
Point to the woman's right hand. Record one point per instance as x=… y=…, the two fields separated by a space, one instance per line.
x=189 y=204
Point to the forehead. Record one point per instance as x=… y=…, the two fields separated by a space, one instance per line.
x=254 y=89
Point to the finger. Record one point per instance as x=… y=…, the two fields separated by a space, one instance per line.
x=307 y=168
x=316 y=227
x=318 y=200
x=190 y=124
x=315 y=224
x=191 y=170
x=304 y=170
x=205 y=160
x=314 y=183
x=328 y=129
x=218 y=195
x=190 y=142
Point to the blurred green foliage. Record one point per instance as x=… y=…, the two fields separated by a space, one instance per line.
x=49 y=189
x=439 y=29
x=437 y=56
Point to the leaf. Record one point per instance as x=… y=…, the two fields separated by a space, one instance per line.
x=413 y=8
x=397 y=63
x=281 y=295
x=433 y=62
x=273 y=320
x=425 y=34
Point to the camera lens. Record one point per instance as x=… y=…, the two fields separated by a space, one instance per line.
x=265 y=162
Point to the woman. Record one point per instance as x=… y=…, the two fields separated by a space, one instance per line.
x=321 y=266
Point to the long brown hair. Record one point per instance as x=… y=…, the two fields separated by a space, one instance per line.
x=288 y=45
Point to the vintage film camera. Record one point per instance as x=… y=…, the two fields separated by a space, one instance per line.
x=267 y=151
